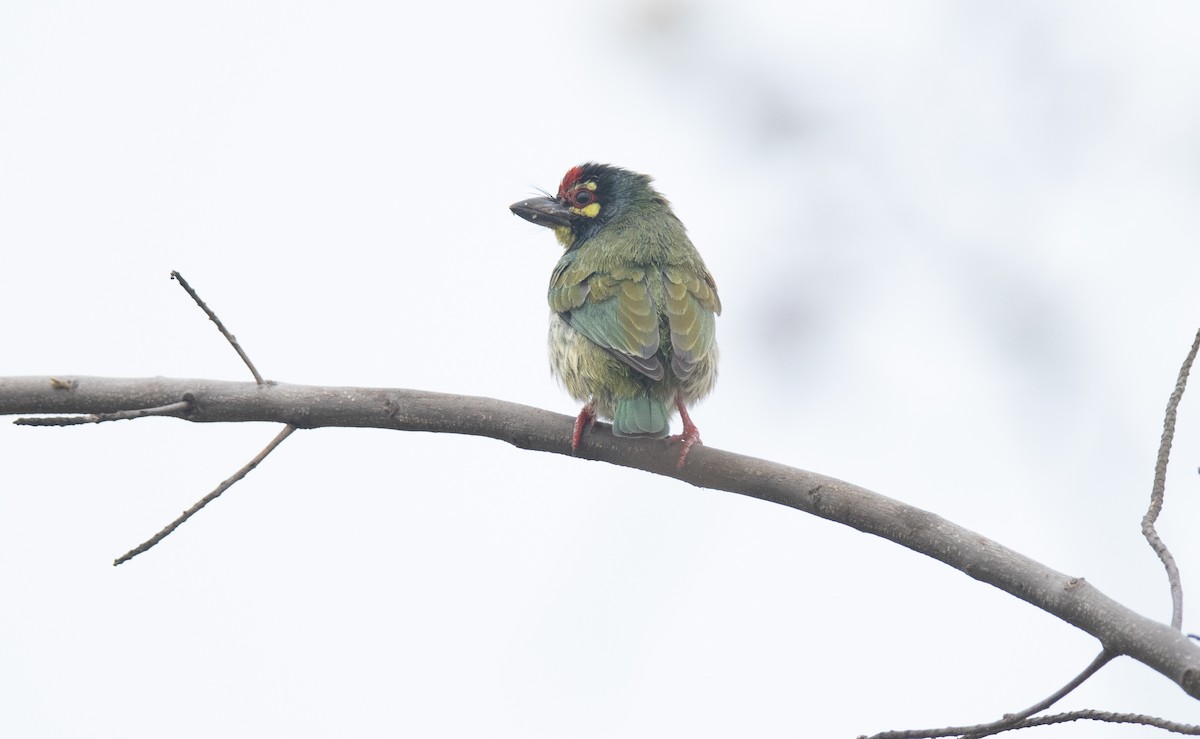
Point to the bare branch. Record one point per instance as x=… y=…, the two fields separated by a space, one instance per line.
x=149 y=543
x=1010 y=721
x=220 y=326
x=1160 y=484
x=1120 y=630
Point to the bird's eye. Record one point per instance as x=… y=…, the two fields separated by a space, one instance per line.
x=583 y=197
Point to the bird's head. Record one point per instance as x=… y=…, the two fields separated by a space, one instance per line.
x=589 y=197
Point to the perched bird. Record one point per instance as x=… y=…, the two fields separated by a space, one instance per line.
x=632 y=306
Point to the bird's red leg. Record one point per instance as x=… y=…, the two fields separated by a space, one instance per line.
x=586 y=418
x=690 y=435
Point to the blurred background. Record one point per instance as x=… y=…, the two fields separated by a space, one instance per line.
x=957 y=249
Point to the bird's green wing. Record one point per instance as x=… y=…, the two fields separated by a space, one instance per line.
x=692 y=307
x=613 y=309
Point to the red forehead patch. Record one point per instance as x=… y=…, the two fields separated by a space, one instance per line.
x=569 y=180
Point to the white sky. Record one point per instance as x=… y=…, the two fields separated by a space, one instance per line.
x=957 y=249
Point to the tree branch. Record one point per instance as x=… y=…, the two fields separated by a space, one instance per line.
x=1120 y=630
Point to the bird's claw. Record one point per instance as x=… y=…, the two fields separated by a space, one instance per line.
x=688 y=439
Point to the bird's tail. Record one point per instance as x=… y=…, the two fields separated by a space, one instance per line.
x=640 y=416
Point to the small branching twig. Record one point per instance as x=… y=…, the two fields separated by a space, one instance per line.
x=179 y=409
x=1011 y=720
x=1160 y=485
x=172 y=410
x=220 y=326
x=287 y=431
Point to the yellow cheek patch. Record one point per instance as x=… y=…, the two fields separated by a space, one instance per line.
x=564 y=236
x=591 y=211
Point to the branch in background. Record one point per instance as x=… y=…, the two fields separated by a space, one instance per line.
x=1160 y=486
x=1010 y=721
x=1022 y=720
x=1119 y=629
x=1115 y=718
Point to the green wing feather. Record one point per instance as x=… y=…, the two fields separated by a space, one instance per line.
x=692 y=306
x=614 y=309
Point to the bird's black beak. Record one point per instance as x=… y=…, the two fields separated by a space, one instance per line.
x=546 y=212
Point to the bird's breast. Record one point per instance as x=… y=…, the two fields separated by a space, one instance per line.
x=570 y=359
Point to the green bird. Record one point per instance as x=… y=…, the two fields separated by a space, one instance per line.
x=632 y=307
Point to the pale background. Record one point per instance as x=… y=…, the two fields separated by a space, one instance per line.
x=957 y=248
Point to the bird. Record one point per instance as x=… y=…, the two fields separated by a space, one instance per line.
x=632 y=306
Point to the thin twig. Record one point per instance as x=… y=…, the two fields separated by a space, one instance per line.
x=171 y=409
x=1011 y=720
x=1160 y=484
x=287 y=431
x=1113 y=718
x=220 y=326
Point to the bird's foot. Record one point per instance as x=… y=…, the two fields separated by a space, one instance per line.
x=587 y=417
x=690 y=436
